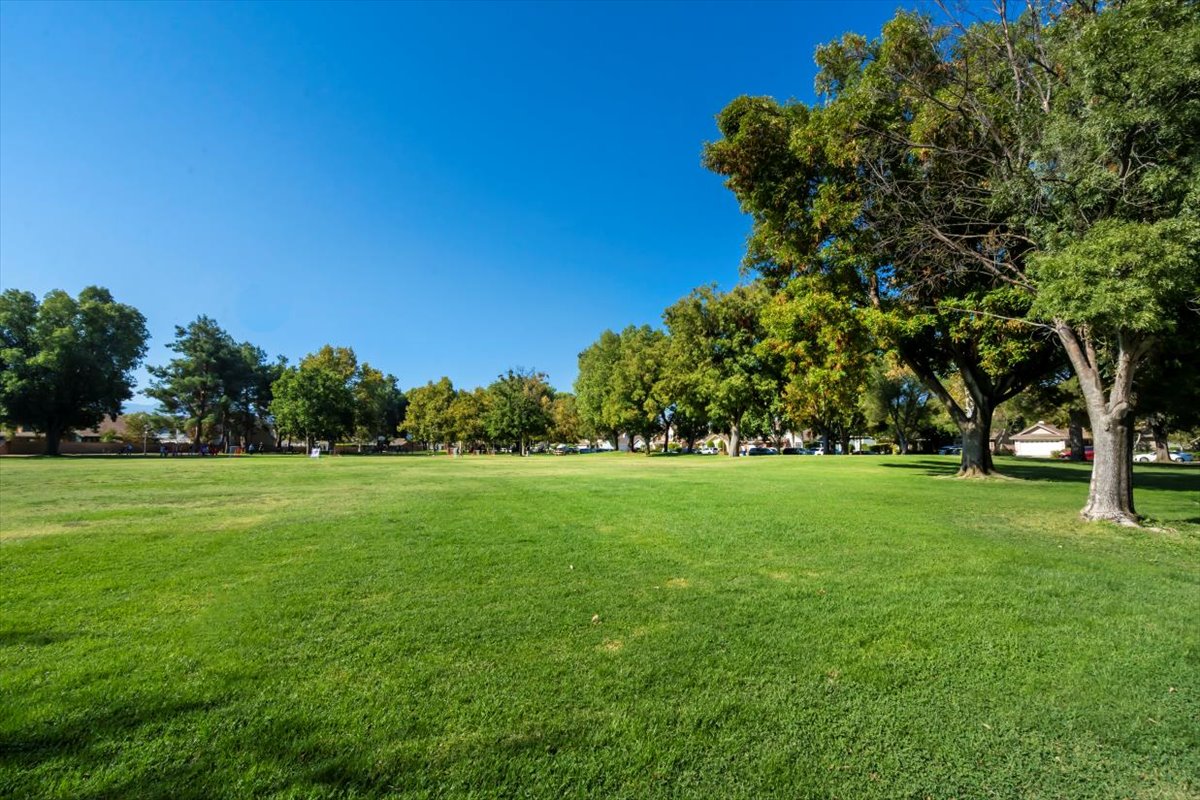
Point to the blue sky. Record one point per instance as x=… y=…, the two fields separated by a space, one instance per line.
x=448 y=189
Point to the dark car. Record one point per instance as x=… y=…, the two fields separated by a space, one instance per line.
x=1089 y=454
x=950 y=450
x=793 y=451
x=761 y=451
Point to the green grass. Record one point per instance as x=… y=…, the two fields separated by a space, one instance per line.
x=787 y=627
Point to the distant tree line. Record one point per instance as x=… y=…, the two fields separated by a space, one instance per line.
x=66 y=363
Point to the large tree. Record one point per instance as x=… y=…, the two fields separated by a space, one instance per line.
x=314 y=402
x=467 y=418
x=594 y=386
x=566 y=424
x=1113 y=98
x=1049 y=161
x=639 y=402
x=519 y=406
x=195 y=382
x=66 y=362
x=427 y=418
x=378 y=405
x=825 y=353
x=717 y=341
x=244 y=408
x=836 y=190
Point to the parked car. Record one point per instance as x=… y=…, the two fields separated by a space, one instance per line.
x=761 y=451
x=950 y=450
x=794 y=451
x=817 y=451
x=1177 y=456
x=1089 y=454
x=708 y=450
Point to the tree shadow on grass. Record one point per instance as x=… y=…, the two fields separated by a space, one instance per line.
x=318 y=767
x=32 y=638
x=1170 y=478
x=84 y=744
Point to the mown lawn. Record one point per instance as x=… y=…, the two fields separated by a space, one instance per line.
x=770 y=627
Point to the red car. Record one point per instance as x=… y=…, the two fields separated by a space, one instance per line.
x=1089 y=454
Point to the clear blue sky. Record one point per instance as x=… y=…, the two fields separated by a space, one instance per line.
x=448 y=189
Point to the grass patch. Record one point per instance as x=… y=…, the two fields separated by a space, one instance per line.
x=609 y=626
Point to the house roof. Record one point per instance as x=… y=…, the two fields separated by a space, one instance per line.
x=1041 y=432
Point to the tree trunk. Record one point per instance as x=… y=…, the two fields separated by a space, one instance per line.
x=1110 y=495
x=825 y=442
x=1158 y=429
x=54 y=433
x=199 y=428
x=666 y=439
x=902 y=440
x=1075 y=434
x=844 y=442
x=734 y=441
x=977 y=438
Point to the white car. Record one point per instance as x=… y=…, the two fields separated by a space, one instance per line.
x=1177 y=456
x=708 y=450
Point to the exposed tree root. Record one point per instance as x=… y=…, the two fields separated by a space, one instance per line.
x=978 y=473
x=1123 y=518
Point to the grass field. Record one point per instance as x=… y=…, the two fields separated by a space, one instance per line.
x=786 y=627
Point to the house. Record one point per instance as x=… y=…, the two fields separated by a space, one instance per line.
x=1042 y=440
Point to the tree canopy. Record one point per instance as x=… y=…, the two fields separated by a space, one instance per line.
x=66 y=362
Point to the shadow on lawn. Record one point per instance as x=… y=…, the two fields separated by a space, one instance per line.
x=1145 y=476
x=32 y=638
x=86 y=745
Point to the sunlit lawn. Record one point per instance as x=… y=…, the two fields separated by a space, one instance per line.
x=604 y=626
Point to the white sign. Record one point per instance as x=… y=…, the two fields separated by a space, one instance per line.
x=316 y=453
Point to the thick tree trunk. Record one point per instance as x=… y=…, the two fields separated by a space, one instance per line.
x=1110 y=413
x=666 y=439
x=977 y=443
x=54 y=434
x=734 y=441
x=1162 y=450
x=844 y=442
x=1110 y=495
x=825 y=448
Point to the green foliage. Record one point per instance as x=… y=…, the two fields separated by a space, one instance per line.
x=717 y=353
x=1122 y=276
x=378 y=404
x=316 y=401
x=825 y=353
x=66 y=362
x=566 y=424
x=593 y=386
x=208 y=367
x=143 y=425
x=519 y=407
x=466 y=416
x=638 y=401
x=896 y=401
x=427 y=418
